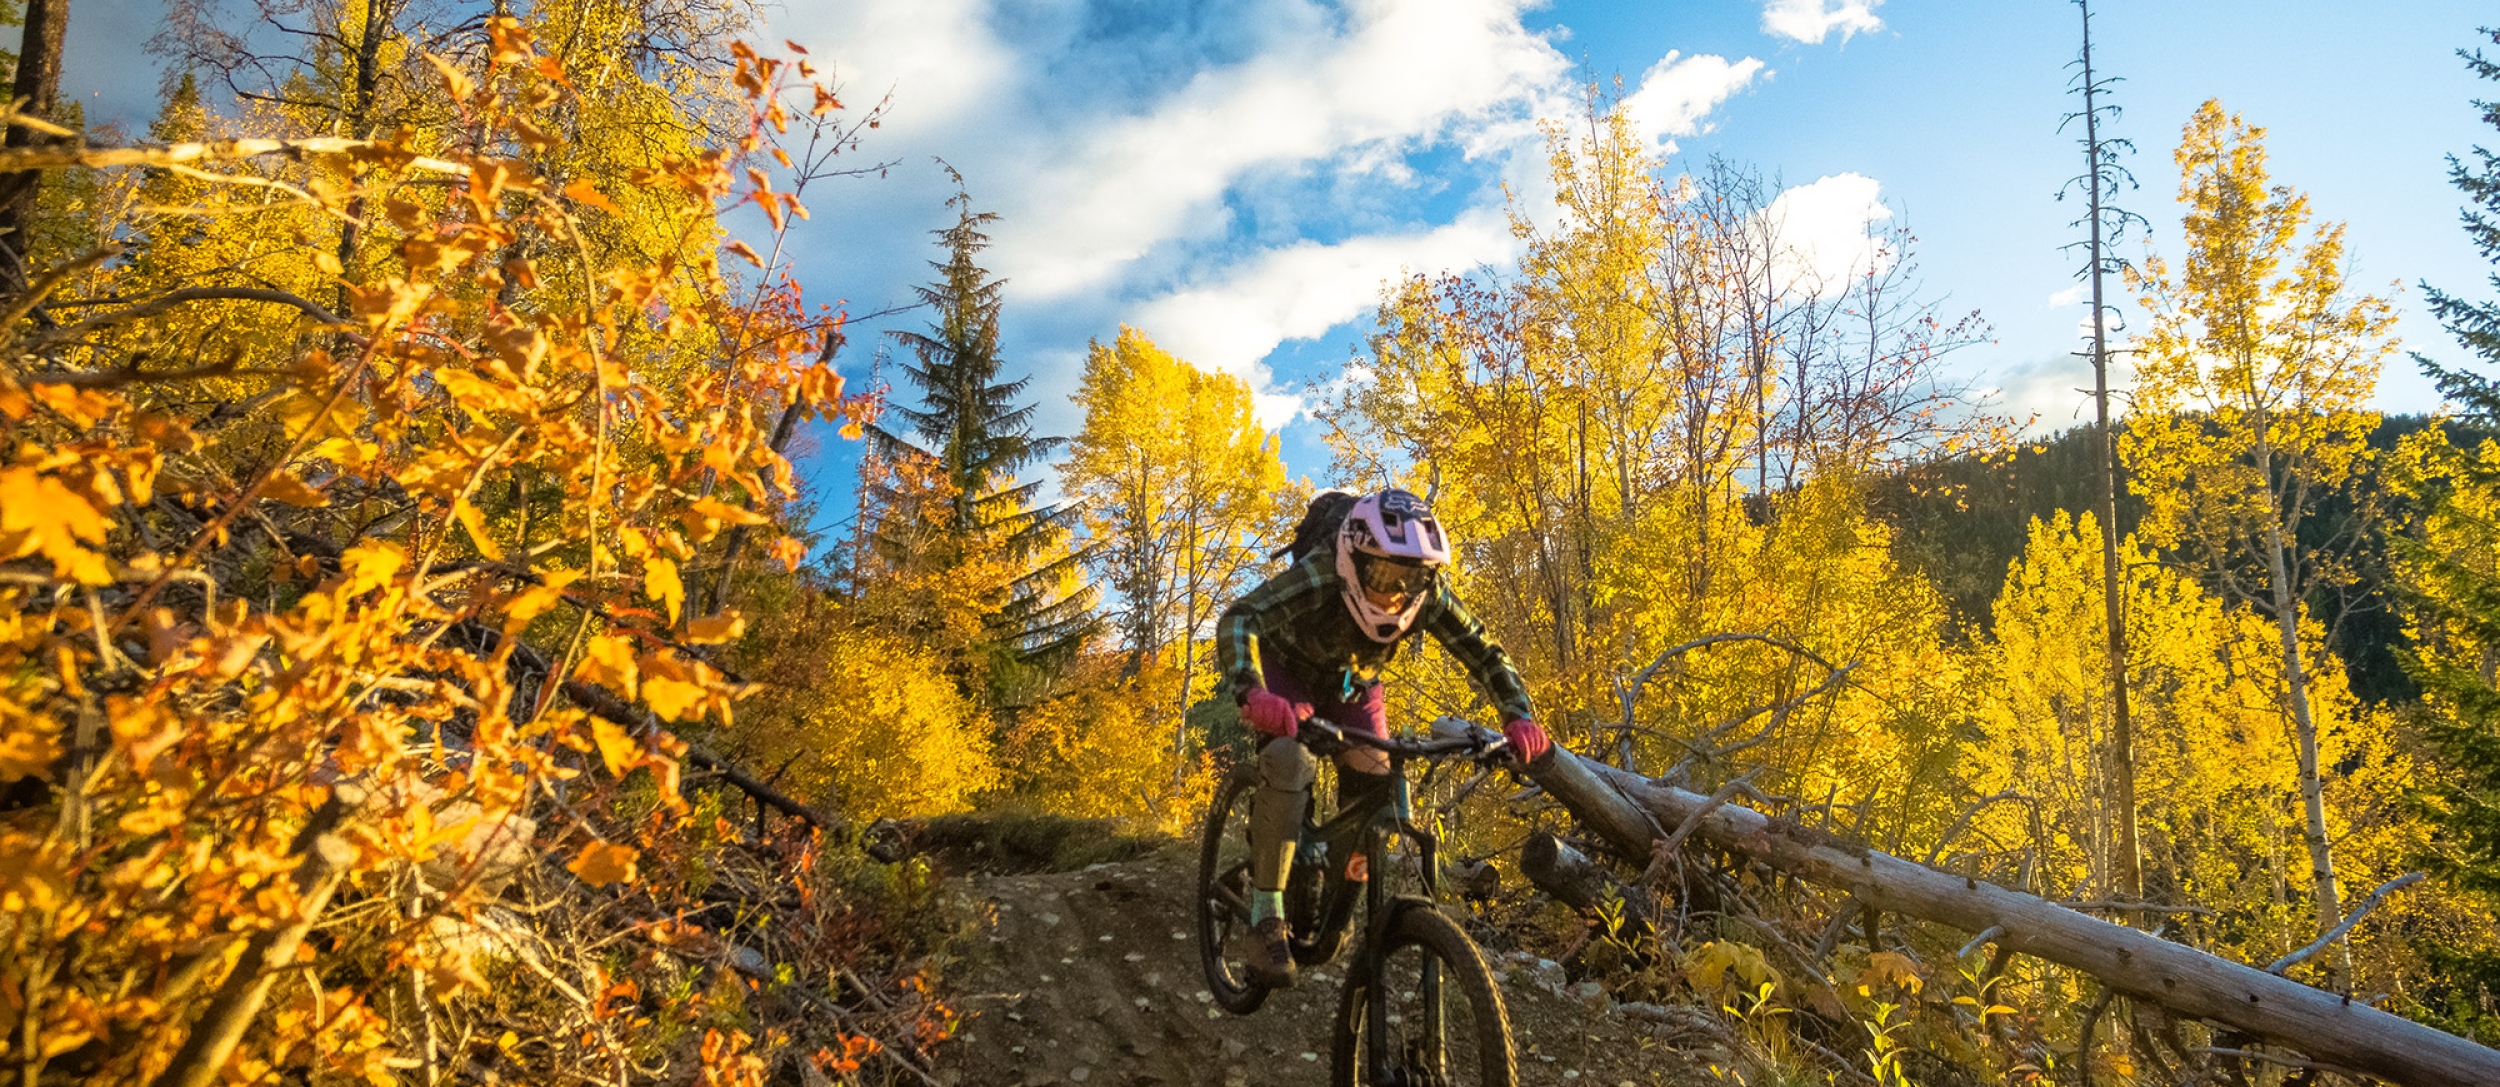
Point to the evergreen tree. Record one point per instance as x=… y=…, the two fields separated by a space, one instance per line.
x=2450 y=572
x=977 y=437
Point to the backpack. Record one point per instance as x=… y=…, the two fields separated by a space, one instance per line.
x=1318 y=529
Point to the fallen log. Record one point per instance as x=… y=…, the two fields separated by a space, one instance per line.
x=1628 y=812
x=1571 y=878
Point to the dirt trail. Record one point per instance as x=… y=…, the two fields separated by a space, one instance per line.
x=1092 y=978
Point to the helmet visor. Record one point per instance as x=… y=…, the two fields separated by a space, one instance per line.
x=1390 y=577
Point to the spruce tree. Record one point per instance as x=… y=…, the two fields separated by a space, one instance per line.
x=2451 y=579
x=973 y=429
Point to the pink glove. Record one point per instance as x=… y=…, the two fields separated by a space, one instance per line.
x=1270 y=713
x=1527 y=740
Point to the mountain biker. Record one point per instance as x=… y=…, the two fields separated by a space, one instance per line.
x=1310 y=642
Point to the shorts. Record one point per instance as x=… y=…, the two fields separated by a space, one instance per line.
x=1367 y=710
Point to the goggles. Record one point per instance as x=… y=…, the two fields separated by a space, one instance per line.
x=1389 y=577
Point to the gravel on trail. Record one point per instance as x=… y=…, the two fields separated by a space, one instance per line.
x=1091 y=978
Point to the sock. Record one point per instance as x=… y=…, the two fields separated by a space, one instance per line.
x=1266 y=904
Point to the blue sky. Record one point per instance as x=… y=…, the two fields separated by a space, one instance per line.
x=1310 y=150
x=1238 y=177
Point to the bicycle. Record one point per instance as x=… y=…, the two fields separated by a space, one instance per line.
x=1393 y=1024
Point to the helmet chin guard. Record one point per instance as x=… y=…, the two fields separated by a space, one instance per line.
x=1393 y=526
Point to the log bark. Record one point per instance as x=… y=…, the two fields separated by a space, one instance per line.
x=1626 y=810
x=1571 y=878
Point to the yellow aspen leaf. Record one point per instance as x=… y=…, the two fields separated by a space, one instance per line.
x=370 y=565
x=790 y=551
x=744 y=252
x=26 y=750
x=39 y=514
x=150 y=820
x=33 y=877
x=660 y=583
x=723 y=511
x=456 y=83
x=1890 y=968
x=603 y=863
x=672 y=699
x=608 y=660
x=617 y=747
x=728 y=626
x=587 y=194
x=470 y=519
x=537 y=599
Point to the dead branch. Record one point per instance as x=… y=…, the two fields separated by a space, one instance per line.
x=2367 y=904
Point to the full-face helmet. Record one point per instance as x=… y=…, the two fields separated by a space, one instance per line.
x=1391 y=545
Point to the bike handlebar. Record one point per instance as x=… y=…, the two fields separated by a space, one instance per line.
x=1475 y=742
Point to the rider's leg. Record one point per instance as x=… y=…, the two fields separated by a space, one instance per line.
x=1285 y=773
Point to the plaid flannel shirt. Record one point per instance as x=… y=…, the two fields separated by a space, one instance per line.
x=1301 y=616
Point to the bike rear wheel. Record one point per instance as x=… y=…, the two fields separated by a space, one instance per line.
x=1224 y=886
x=1423 y=1011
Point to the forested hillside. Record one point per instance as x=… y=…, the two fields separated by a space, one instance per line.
x=425 y=661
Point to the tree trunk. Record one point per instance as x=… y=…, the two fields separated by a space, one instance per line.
x=2305 y=733
x=2129 y=866
x=38 y=84
x=1633 y=813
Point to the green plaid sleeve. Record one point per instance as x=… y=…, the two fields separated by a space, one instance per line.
x=1450 y=623
x=1237 y=631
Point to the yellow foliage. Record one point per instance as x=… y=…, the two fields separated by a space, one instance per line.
x=1106 y=750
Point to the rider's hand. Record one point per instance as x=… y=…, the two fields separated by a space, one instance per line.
x=1527 y=739
x=1272 y=714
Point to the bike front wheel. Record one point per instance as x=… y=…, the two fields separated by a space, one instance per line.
x=1224 y=887
x=1421 y=1010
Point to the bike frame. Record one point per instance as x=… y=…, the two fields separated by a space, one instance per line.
x=1368 y=828
x=1365 y=831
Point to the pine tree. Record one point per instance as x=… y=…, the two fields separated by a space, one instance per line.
x=975 y=433
x=2449 y=571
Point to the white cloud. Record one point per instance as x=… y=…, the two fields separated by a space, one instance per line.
x=937 y=58
x=1399 y=71
x=1809 y=21
x=1827 y=228
x=1678 y=91
x=1302 y=290
x=2076 y=295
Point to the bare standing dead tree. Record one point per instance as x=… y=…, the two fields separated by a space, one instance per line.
x=2104 y=224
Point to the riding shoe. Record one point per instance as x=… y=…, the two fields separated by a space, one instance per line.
x=1270 y=954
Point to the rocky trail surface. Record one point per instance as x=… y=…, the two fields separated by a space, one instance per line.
x=1091 y=977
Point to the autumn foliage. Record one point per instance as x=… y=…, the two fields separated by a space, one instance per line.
x=285 y=726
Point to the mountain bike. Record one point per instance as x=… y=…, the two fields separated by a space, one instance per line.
x=1419 y=1007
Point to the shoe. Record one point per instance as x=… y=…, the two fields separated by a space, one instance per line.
x=1271 y=954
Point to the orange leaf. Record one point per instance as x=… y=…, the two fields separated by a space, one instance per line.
x=609 y=662
x=728 y=626
x=603 y=863
x=26 y=752
x=616 y=746
x=723 y=511
x=475 y=522
x=455 y=82
x=660 y=583
x=744 y=252
x=583 y=192
x=672 y=699
x=534 y=601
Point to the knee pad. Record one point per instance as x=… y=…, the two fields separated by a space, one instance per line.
x=1286 y=766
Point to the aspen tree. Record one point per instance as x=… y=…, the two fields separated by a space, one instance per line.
x=2252 y=396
